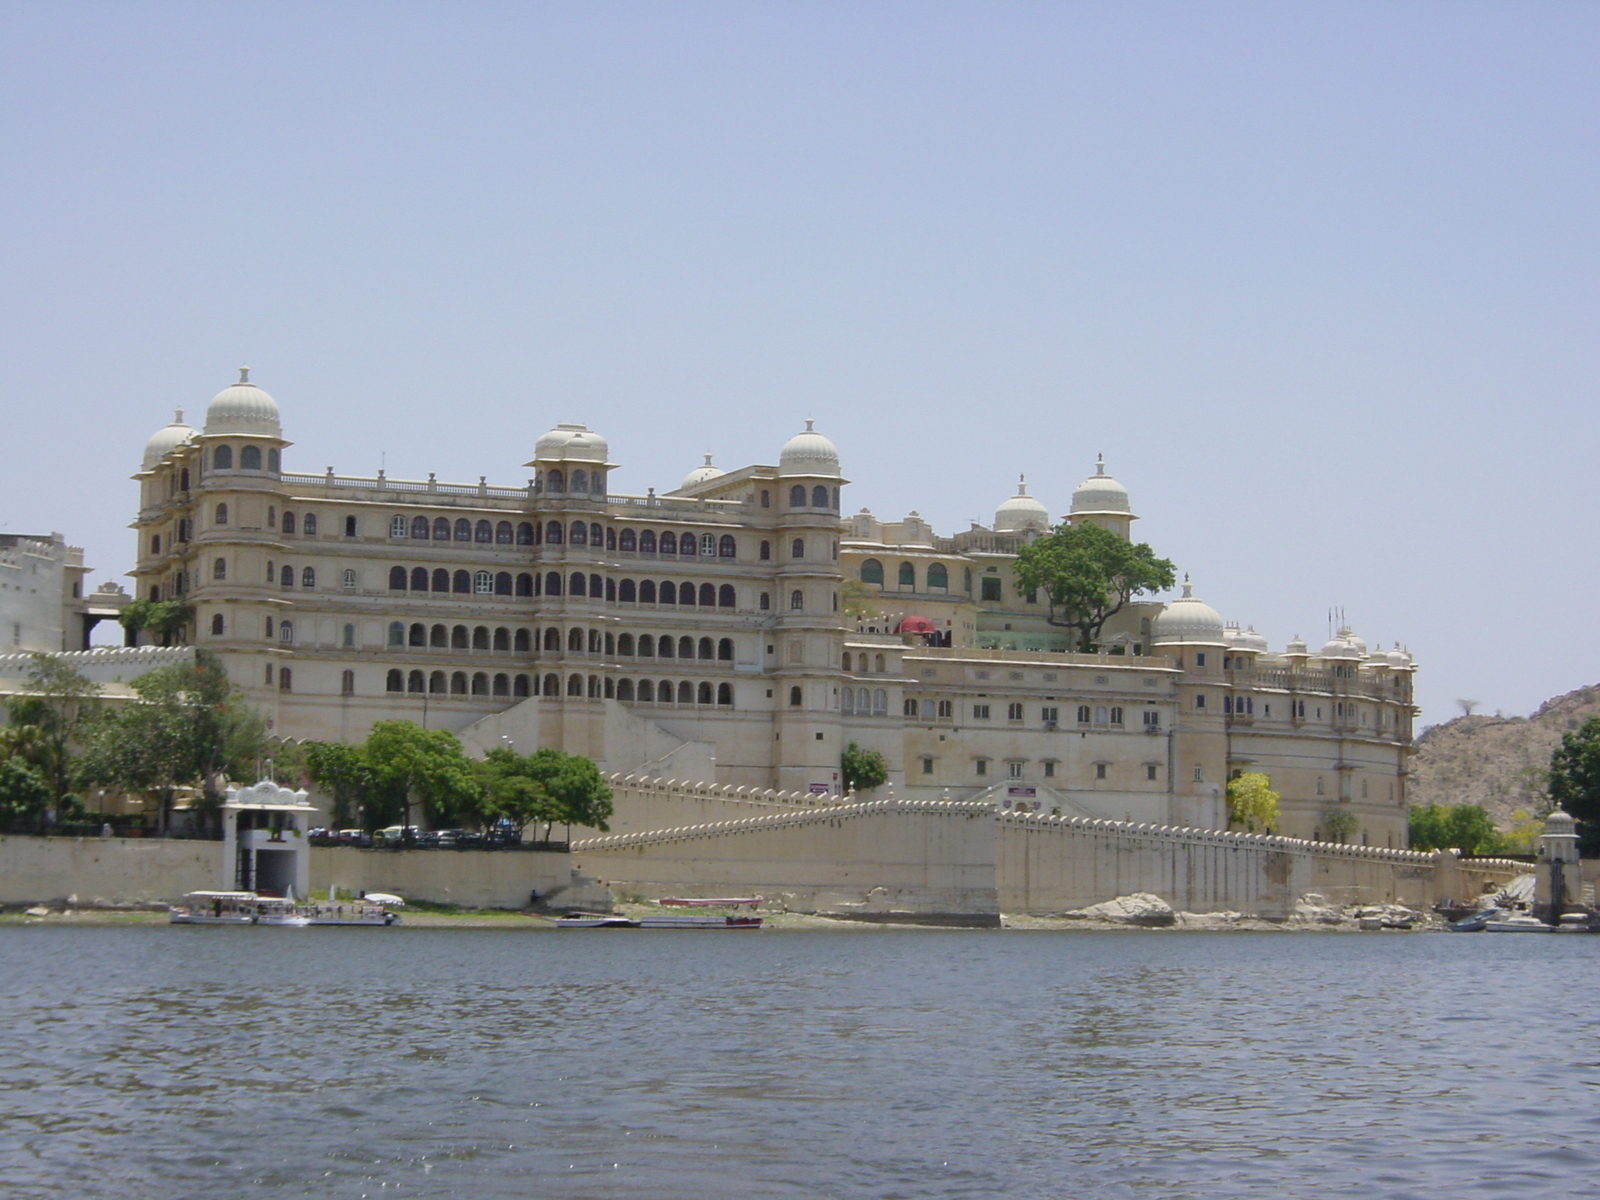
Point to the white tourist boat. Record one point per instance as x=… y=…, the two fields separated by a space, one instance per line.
x=1521 y=923
x=215 y=908
x=249 y=908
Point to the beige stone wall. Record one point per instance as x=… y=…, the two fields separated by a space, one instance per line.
x=643 y=805
x=916 y=858
x=470 y=878
x=40 y=870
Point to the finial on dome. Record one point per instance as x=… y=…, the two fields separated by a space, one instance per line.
x=1188 y=591
x=244 y=374
x=1099 y=464
x=708 y=458
x=177 y=416
x=1022 y=485
x=809 y=424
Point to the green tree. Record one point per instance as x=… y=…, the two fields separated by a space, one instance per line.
x=1087 y=575
x=1575 y=782
x=164 y=618
x=1252 y=804
x=410 y=766
x=1463 y=827
x=341 y=771
x=189 y=728
x=1339 y=824
x=862 y=770
x=24 y=794
x=59 y=706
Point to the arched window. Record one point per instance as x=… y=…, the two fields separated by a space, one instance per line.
x=627 y=593
x=273 y=459
x=819 y=497
x=554 y=534
x=685 y=692
x=938 y=577
x=625 y=691
x=463 y=530
x=611 y=538
x=872 y=571
x=908 y=575
x=216 y=625
x=725 y=596
x=686 y=647
x=686 y=593
x=578 y=585
x=552 y=685
x=556 y=481
x=349 y=580
x=647 y=692
x=575 y=685
x=460 y=583
x=519 y=687
x=285 y=680
x=397 y=634
x=483 y=583
x=580 y=481
x=628 y=541
x=437 y=684
x=1084 y=714
x=419 y=579
x=286 y=632
x=647 y=646
x=415 y=682
x=847 y=701
x=308 y=577
x=483 y=532
x=1116 y=715
x=706 y=649
x=349 y=636
x=502 y=534
x=908 y=708
x=502 y=583
x=766 y=601
x=524 y=533
x=221 y=517
x=441 y=580
x=880 y=702
x=223 y=458
x=480 y=683
x=419 y=527
x=395 y=681
x=669 y=542
x=458 y=683
x=524 y=584
x=611 y=591
x=441 y=529
x=647 y=591
x=797 y=601
x=520 y=642
x=797 y=549
x=794 y=692
x=668 y=592
x=595 y=588
x=552 y=638
x=480 y=637
x=797 y=496
x=288 y=522
x=666 y=647
x=417 y=635
x=286 y=577
x=575 y=641
x=725 y=694
x=250 y=458
x=596 y=535
x=708 y=595
x=727 y=547
x=502 y=685
x=647 y=541
x=308 y=525
x=766 y=551
x=347 y=683
x=219 y=569
x=703 y=692
x=580 y=534
x=594 y=641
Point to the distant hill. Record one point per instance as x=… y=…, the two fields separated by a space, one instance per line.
x=1497 y=762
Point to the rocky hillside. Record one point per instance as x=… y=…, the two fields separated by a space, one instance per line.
x=1497 y=762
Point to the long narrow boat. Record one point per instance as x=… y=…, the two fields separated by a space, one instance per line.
x=709 y=902
x=249 y=908
x=690 y=921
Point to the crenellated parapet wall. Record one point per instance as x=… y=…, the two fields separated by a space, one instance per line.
x=641 y=803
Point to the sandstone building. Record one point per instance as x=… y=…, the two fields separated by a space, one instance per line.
x=708 y=633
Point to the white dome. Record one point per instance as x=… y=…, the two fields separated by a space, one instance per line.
x=1100 y=493
x=164 y=440
x=1340 y=648
x=1248 y=640
x=243 y=408
x=1021 y=512
x=1399 y=659
x=571 y=443
x=808 y=453
x=1187 y=619
x=702 y=473
x=1297 y=646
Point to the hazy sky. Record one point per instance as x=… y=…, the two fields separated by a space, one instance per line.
x=1320 y=280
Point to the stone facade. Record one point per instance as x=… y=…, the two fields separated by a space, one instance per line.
x=739 y=629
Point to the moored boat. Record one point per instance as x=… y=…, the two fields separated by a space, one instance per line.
x=250 y=908
x=594 y=921
x=697 y=921
x=214 y=908
x=1521 y=923
x=709 y=902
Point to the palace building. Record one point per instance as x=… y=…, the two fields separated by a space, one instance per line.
x=740 y=629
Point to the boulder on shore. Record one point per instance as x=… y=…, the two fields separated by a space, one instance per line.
x=1141 y=908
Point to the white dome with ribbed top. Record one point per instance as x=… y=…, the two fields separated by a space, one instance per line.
x=243 y=408
x=1188 y=619
x=164 y=440
x=809 y=453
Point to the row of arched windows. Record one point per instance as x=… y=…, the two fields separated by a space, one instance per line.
x=574 y=641
x=819 y=497
x=460 y=637
x=592 y=687
x=865 y=702
x=221 y=458
x=584 y=483
x=557 y=533
x=860 y=662
x=553 y=583
x=936 y=579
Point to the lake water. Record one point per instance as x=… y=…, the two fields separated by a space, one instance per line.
x=179 y=1062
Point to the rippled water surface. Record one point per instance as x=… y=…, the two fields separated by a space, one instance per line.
x=178 y=1062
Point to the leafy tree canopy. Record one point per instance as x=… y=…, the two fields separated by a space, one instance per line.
x=161 y=617
x=1252 y=804
x=1575 y=782
x=862 y=770
x=1087 y=575
x=59 y=706
x=1463 y=827
x=1339 y=823
x=24 y=794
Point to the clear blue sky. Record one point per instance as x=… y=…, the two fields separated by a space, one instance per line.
x=1320 y=280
